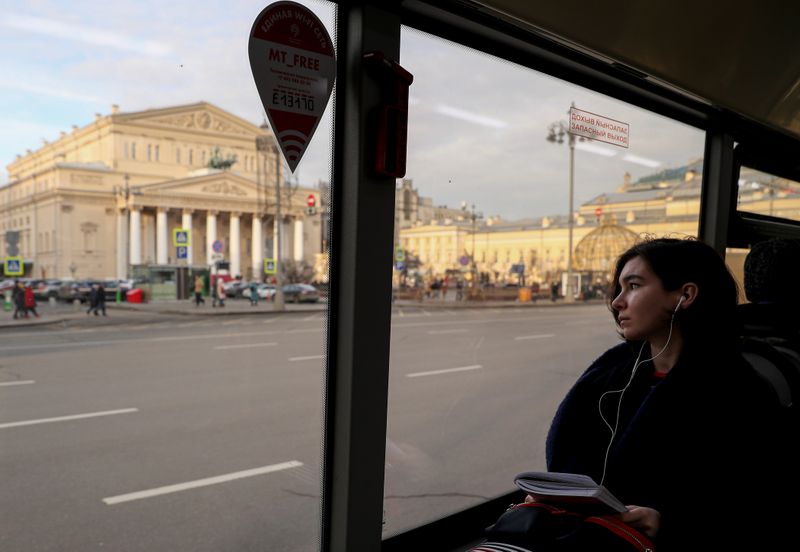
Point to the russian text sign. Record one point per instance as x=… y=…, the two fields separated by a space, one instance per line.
x=597 y=127
x=294 y=66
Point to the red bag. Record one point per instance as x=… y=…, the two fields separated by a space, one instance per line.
x=538 y=527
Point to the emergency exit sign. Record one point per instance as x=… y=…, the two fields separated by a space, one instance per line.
x=597 y=127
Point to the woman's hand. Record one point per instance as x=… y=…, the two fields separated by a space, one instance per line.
x=646 y=520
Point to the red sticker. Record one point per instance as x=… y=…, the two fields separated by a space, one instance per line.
x=294 y=66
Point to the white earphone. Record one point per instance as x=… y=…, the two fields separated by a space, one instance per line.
x=621 y=392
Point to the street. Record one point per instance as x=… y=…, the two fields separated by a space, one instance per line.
x=154 y=432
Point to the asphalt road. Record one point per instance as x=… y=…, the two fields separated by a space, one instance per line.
x=149 y=432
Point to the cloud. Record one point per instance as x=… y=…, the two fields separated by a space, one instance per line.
x=470 y=117
x=96 y=37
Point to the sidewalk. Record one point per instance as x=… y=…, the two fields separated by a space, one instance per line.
x=65 y=312
x=238 y=307
x=232 y=307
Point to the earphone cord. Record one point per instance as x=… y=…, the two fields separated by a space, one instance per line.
x=622 y=394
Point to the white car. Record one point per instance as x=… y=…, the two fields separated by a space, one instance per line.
x=265 y=291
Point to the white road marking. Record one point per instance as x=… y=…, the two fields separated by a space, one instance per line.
x=245 y=346
x=201 y=482
x=270 y=320
x=192 y=324
x=67 y=418
x=440 y=332
x=426 y=313
x=312 y=357
x=306 y=331
x=539 y=336
x=400 y=313
x=137 y=340
x=313 y=317
x=21 y=382
x=445 y=371
x=232 y=322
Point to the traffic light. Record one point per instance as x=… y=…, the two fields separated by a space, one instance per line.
x=12 y=243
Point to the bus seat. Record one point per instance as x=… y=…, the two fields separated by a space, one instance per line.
x=781 y=369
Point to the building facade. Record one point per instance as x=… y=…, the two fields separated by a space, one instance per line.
x=108 y=197
x=663 y=204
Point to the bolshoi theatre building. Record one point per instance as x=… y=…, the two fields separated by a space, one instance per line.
x=108 y=198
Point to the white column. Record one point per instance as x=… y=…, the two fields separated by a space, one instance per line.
x=162 y=237
x=136 y=237
x=186 y=224
x=122 y=244
x=275 y=253
x=235 y=245
x=211 y=235
x=257 y=248
x=298 y=240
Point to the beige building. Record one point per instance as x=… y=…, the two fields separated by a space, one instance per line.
x=667 y=203
x=107 y=197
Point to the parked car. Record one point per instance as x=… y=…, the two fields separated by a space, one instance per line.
x=300 y=293
x=43 y=290
x=235 y=288
x=265 y=291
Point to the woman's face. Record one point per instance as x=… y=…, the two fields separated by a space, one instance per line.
x=644 y=308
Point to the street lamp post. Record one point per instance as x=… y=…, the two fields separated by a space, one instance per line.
x=474 y=216
x=556 y=133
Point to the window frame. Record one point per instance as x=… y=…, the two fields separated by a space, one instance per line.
x=361 y=242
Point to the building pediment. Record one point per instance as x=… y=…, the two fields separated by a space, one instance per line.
x=200 y=117
x=217 y=185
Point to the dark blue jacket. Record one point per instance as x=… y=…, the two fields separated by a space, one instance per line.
x=699 y=446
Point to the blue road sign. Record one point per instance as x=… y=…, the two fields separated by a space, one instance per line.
x=400 y=265
x=217 y=246
x=183 y=252
x=181 y=236
x=13 y=266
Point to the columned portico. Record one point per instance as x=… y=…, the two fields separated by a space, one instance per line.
x=235 y=245
x=162 y=237
x=257 y=253
x=136 y=236
x=211 y=236
x=186 y=224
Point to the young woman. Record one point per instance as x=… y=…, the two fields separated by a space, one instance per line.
x=673 y=421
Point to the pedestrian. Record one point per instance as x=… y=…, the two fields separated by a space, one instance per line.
x=554 y=291
x=100 y=301
x=18 y=297
x=253 y=293
x=675 y=413
x=221 y=292
x=198 y=291
x=30 y=301
x=92 y=300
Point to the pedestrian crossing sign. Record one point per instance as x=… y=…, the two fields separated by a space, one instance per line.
x=269 y=266
x=12 y=266
x=181 y=237
x=399 y=254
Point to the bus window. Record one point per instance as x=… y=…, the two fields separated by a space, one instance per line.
x=486 y=337
x=766 y=194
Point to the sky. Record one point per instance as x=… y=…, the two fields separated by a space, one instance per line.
x=477 y=124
